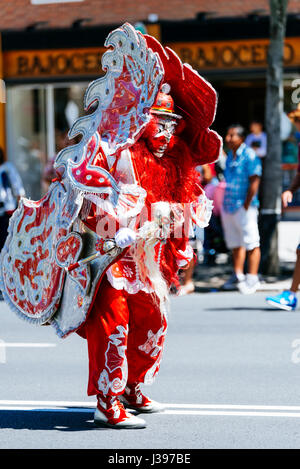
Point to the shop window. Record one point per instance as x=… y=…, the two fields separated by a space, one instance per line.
x=26 y=135
x=38 y=121
x=68 y=106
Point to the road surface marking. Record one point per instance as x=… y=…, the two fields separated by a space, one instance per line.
x=233 y=413
x=92 y=403
x=46 y=409
x=231 y=406
x=48 y=403
x=25 y=344
x=171 y=409
x=212 y=413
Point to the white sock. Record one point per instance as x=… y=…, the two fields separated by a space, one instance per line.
x=240 y=276
x=252 y=279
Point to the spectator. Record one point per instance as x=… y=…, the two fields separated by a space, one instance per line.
x=240 y=210
x=257 y=139
x=292 y=139
x=11 y=189
x=294 y=117
x=208 y=175
x=62 y=141
x=213 y=233
x=287 y=300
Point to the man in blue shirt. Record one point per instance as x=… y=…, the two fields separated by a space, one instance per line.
x=240 y=210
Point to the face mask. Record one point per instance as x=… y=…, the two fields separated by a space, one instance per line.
x=160 y=134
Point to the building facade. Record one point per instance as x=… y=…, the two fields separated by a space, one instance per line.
x=52 y=49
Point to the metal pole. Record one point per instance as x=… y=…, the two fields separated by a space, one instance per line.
x=272 y=173
x=2 y=101
x=50 y=121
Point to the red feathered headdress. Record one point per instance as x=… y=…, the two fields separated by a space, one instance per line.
x=196 y=100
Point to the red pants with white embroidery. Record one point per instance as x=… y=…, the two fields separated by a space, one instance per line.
x=125 y=335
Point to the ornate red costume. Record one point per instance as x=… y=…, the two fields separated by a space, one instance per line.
x=128 y=190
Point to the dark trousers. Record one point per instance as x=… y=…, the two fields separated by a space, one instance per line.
x=4 y=221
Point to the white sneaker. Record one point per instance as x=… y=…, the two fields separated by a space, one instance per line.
x=233 y=282
x=186 y=289
x=249 y=285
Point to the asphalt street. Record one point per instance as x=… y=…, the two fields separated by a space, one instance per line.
x=229 y=379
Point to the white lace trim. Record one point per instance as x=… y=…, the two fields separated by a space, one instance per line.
x=122 y=283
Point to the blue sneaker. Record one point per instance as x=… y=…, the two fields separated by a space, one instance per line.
x=285 y=300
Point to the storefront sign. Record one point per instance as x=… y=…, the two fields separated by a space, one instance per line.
x=222 y=55
x=53 y=63
x=233 y=54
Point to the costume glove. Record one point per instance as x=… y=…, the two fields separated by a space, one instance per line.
x=125 y=237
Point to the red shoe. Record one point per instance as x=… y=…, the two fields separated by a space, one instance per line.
x=111 y=413
x=135 y=399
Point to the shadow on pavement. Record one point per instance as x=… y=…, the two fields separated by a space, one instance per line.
x=48 y=419
x=248 y=308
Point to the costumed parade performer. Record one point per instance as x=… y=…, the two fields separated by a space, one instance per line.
x=99 y=252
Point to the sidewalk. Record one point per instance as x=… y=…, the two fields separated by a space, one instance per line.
x=209 y=278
